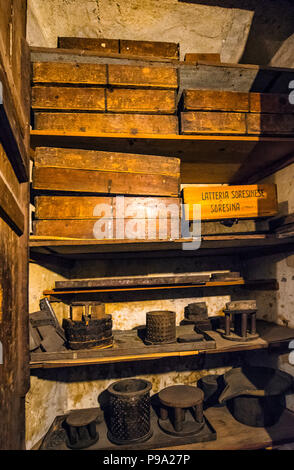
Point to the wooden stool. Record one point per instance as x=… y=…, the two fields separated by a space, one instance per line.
x=175 y=400
x=81 y=428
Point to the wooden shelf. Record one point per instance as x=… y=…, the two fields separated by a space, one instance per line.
x=223 y=159
x=42 y=247
x=266 y=284
x=271 y=336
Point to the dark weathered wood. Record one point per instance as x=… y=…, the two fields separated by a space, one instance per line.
x=262 y=123
x=107 y=123
x=74 y=99
x=14 y=77
x=166 y=50
x=141 y=101
x=91 y=44
x=106 y=161
x=83 y=207
x=123 y=281
x=64 y=72
x=164 y=229
x=202 y=122
x=14 y=136
x=270 y=103
x=138 y=76
x=215 y=100
x=89 y=181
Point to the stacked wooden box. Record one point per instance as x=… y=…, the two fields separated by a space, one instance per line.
x=77 y=188
x=104 y=98
x=124 y=47
x=226 y=112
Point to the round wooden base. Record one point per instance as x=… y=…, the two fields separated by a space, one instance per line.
x=234 y=337
x=190 y=426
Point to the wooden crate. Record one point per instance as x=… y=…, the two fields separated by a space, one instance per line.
x=90 y=44
x=227 y=202
x=165 y=50
x=156 y=49
x=67 y=72
x=156 y=229
x=209 y=122
x=66 y=98
x=138 y=76
x=194 y=58
x=216 y=100
x=84 y=207
x=105 y=172
x=100 y=99
x=107 y=123
x=122 y=100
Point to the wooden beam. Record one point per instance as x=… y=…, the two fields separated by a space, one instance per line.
x=10 y=211
x=13 y=146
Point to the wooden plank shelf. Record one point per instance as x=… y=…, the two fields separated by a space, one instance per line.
x=271 y=336
x=210 y=245
x=266 y=284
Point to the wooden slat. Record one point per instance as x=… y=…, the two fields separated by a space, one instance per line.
x=270 y=123
x=106 y=161
x=194 y=58
x=138 y=76
x=105 y=123
x=164 y=229
x=89 y=181
x=142 y=101
x=215 y=100
x=166 y=50
x=82 y=207
x=9 y=208
x=223 y=202
x=65 y=72
x=213 y=123
x=90 y=44
x=75 y=99
x=270 y=103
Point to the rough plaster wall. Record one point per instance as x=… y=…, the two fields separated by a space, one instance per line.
x=198 y=28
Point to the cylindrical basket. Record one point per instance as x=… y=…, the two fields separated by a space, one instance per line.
x=129 y=411
x=160 y=327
